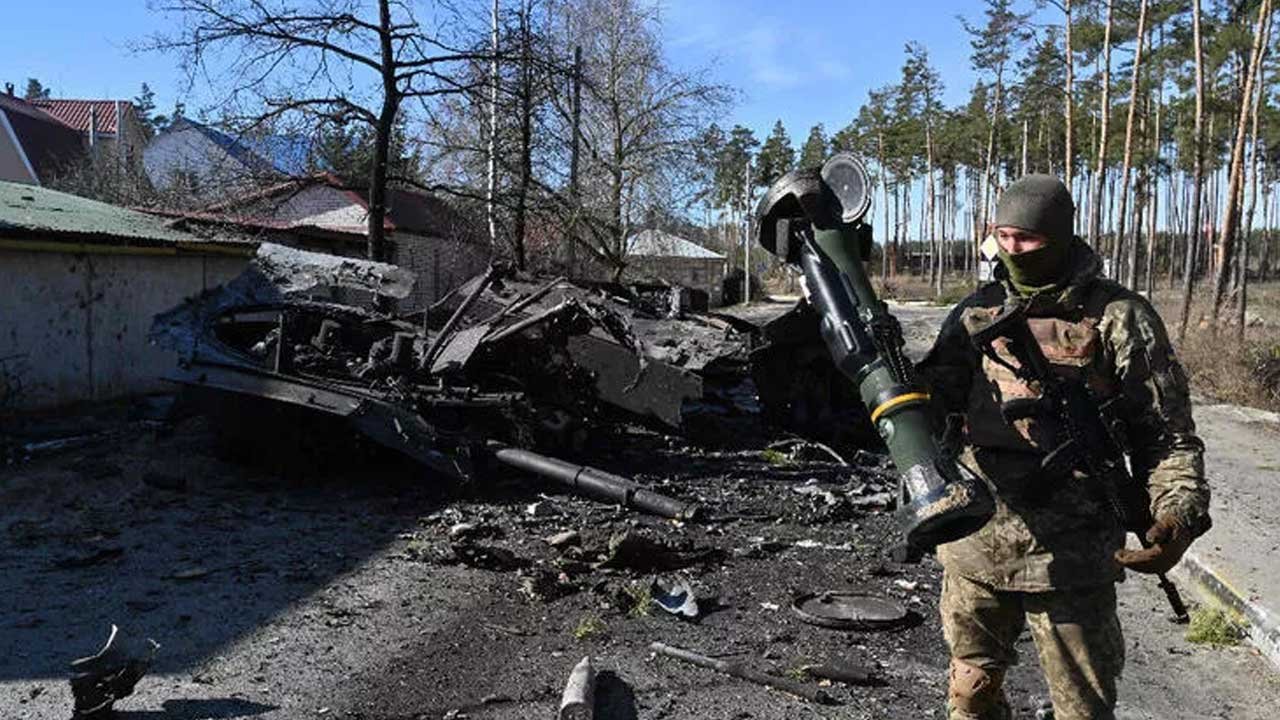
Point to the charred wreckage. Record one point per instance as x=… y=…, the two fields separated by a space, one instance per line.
x=508 y=368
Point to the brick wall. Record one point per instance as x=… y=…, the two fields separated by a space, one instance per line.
x=706 y=274
x=440 y=264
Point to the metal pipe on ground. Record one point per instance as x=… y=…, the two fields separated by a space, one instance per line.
x=808 y=692
x=593 y=482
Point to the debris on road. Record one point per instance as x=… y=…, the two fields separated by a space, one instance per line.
x=842 y=671
x=578 y=700
x=739 y=670
x=502 y=370
x=678 y=599
x=564 y=539
x=635 y=551
x=99 y=680
x=846 y=610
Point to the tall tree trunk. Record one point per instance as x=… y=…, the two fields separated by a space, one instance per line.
x=491 y=209
x=526 y=133
x=574 y=152
x=984 y=216
x=1254 y=153
x=1067 y=101
x=1099 y=179
x=1227 y=235
x=1126 y=165
x=930 y=203
x=375 y=228
x=1152 y=233
x=1193 y=237
x=1264 y=258
x=884 y=193
x=897 y=227
x=1025 y=133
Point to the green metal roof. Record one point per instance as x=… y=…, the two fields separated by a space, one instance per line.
x=28 y=210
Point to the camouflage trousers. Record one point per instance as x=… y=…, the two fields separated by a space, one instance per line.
x=1076 y=632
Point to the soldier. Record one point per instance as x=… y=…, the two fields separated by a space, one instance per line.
x=1051 y=554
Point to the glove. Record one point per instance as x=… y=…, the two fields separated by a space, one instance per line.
x=1169 y=540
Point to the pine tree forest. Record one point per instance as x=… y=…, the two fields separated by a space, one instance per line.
x=567 y=128
x=1158 y=115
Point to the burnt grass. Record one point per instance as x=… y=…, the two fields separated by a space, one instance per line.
x=367 y=589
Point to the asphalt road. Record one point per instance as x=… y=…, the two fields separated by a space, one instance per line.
x=340 y=593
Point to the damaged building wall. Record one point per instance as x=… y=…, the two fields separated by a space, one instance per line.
x=440 y=260
x=705 y=274
x=75 y=323
x=439 y=264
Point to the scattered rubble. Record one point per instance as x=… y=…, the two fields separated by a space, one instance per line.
x=99 y=680
x=578 y=700
x=847 y=610
x=679 y=599
x=503 y=369
x=739 y=670
x=842 y=671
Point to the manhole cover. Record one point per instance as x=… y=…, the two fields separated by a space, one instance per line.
x=849 y=611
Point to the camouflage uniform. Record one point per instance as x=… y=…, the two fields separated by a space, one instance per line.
x=1047 y=553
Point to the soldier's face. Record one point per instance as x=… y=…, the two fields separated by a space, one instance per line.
x=1016 y=240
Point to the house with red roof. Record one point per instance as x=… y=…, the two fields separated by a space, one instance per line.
x=35 y=147
x=111 y=130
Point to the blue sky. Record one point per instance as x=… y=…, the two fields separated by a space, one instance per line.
x=808 y=61
x=803 y=62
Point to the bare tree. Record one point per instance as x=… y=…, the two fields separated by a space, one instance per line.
x=323 y=61
x=639 y=121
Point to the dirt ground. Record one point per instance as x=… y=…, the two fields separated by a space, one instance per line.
x=370 y=590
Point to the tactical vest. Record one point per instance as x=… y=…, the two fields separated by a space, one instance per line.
x=1070 y=338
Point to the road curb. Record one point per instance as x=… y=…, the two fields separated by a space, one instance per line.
x=1210 y=583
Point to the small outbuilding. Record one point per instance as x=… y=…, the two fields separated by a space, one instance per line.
x=80 y=281
x=426 y=235
x=654 y=255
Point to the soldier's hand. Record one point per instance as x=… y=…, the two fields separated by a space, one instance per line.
x=1169 y=540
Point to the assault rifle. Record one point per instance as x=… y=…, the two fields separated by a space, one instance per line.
x=1089 y=441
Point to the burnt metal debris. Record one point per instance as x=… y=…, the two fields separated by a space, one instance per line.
x=841 y=610
x=811 y=693
x=101 y=679
x=508 y=368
